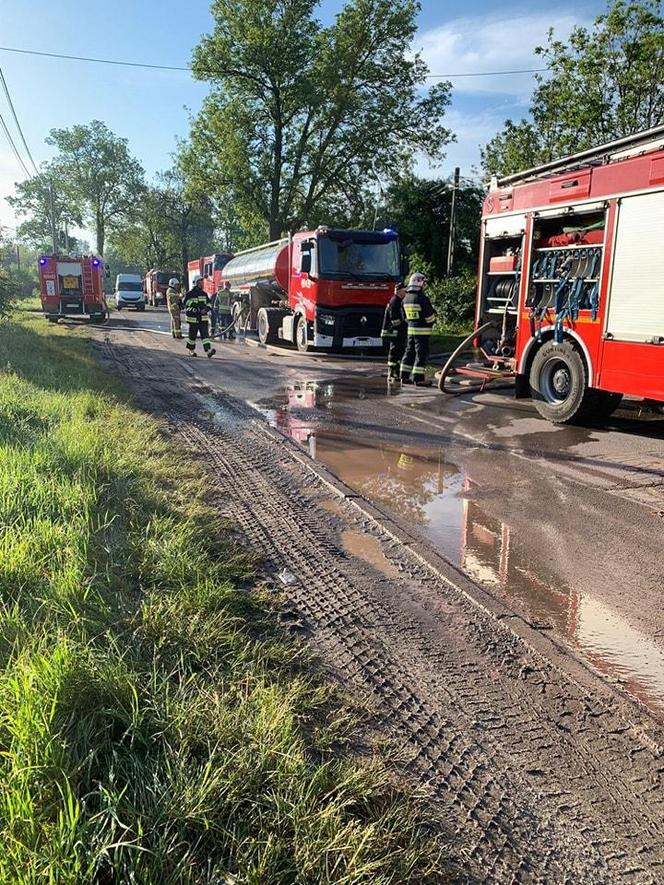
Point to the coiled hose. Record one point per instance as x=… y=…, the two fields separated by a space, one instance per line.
x=447 y=368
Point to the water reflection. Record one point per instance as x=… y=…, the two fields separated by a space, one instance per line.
x=432 y=493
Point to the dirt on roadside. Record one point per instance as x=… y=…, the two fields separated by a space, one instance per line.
x=542 y=775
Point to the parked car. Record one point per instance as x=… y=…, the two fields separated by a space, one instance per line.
x=129 y=291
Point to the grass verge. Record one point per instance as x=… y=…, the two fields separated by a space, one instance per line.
x=155 y=727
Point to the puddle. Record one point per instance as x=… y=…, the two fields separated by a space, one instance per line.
x=428 y=490
x=368 y=549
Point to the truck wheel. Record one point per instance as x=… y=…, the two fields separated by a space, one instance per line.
x=268 y=322
x=52 y=319
x=558 y=383
x=301 y=336
x=238 y=320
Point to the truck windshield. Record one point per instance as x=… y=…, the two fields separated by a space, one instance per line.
x=357 y=258
x=163 y=278
x=130 y=287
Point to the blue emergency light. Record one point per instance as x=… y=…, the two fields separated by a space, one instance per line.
x=43 y=261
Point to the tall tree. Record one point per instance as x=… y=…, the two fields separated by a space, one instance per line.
x=32 y=201
x=419 y=208
x=174 y=224
x=97 y=170
x=603 y=83
x=300 y=115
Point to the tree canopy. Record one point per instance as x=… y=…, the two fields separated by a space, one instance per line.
x=97 y=174
x=173 y=226
x=301 y=116
x=601 y=84
x=33 y=203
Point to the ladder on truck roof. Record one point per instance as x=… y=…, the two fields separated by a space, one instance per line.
x=620 y=149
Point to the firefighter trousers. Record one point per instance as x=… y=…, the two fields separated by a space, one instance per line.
x=199 y=328
x=395 y=354
x=176 y=323
x=415 y=358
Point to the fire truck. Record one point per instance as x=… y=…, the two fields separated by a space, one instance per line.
x=325 y=288
x=210 y=269
x=571 y=281
x=72 y=287
x=155 y=284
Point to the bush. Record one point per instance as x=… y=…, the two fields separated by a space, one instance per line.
x=452 y=297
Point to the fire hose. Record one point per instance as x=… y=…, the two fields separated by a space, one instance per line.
x=232 y=324
x=447 y=368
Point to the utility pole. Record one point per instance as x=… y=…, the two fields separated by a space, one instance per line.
x=18 y=258
x=54 y=233
x=452 y=237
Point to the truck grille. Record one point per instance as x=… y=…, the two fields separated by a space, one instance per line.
x=363 y=324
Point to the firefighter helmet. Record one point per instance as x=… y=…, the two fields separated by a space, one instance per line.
x=197 y=279
x=417 y=281
x=174 y=281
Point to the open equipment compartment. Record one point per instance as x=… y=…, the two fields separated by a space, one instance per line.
x=565 y=270
x=500 y=283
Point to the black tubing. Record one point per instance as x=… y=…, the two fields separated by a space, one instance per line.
x=445 y=371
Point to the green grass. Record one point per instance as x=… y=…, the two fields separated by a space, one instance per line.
x=155 y=726
x=446 y=338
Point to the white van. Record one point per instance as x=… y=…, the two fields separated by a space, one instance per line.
x=129 y=291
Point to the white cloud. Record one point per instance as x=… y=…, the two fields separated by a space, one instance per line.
x=498 y=42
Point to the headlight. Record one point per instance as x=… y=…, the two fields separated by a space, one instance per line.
x=326 y=319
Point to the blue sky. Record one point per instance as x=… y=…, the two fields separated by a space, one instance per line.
x=151 y=108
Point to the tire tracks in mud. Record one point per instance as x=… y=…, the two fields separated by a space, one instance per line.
x=539 y=778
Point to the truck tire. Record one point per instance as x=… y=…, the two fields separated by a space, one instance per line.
x=52 y=319
x=301 y=335
x=559 y=383
x=268 y=322
x=238 y=319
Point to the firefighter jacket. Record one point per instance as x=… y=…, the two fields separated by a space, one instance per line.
x=420 y=315
x=196 y=305
x=224 y=300
x=394 y=320
x=173 y=299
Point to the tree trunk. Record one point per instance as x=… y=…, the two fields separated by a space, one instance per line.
x=101 y=233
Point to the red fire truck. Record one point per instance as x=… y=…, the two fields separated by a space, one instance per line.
x=210 y=269
x=71 y=287
x=324 y=288
x=155 y=284
x=571 y=280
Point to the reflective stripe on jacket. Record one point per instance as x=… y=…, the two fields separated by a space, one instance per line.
x=196 y=305
x=420 y=315
x=394 y=319
x=172 y=298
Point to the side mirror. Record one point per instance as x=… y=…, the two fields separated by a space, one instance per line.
x=107 y=273
x=305 y=262
x=405 y=264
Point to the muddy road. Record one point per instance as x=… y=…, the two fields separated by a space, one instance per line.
x=490 y=582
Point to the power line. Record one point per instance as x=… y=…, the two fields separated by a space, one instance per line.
x=18 y=125
x=13 y=146
x=187 y=69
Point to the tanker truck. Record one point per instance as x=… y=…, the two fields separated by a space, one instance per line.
x=324 y=289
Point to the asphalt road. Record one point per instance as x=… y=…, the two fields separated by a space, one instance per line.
x=564 y=524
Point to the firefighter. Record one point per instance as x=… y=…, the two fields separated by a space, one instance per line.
x=420 y=317
x=196 y=305
x=224 y=302
x=394 y=331
x=174 y=304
